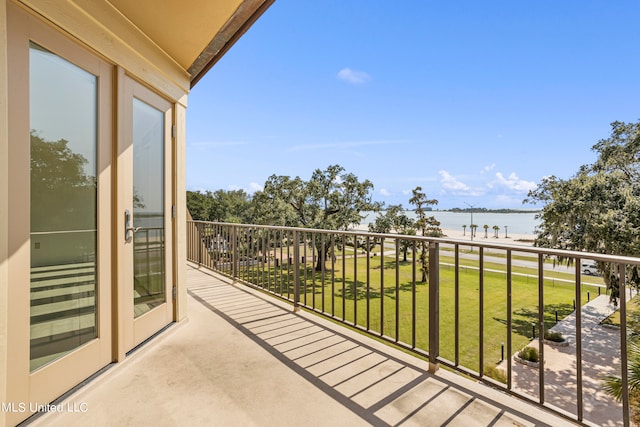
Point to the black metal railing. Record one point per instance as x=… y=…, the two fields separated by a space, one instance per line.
x=479 y=300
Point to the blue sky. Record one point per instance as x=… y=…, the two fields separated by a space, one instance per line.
x=473 y=101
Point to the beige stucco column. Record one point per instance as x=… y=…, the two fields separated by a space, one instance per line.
x=4 y=187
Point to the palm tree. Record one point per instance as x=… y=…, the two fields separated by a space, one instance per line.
x=486 y=230
x=495 y=230
x=612 y=384
x=464 y=230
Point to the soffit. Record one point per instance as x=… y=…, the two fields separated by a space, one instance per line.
x=195 y=33
x=181 y=28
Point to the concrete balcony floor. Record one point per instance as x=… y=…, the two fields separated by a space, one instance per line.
x=245 y=359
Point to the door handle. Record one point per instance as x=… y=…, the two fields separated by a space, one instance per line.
x=129 y=229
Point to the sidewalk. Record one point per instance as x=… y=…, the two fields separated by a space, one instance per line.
x=593 y=312
x=600 y=357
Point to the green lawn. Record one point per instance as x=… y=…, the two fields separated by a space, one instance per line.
x=394 y=291
x=632 y=306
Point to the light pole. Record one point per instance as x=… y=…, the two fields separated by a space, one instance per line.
x=472 y=207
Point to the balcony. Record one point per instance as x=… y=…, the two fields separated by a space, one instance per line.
x=467 y=306
x=292 y=327
x=244 y=358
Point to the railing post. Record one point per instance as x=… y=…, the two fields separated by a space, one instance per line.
x=624 y=355
x=296 y=271
x=434 y=306
x=577 y=302
x=234 y=251
x=199 y=227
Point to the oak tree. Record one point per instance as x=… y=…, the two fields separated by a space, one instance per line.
x=598 y=209
x=394 y=219
x=331 y=199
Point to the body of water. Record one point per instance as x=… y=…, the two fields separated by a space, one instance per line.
x=517 y=223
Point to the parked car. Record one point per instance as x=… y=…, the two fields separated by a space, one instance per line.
x=589 y=269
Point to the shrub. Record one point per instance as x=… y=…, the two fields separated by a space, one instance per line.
x=529 y=354
x=553 y=336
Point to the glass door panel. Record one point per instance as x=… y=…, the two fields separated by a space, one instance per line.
x=63 y=134
x=145 y=176
x=148 y=207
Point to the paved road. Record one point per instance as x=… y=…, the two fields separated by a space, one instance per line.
x=557 y=267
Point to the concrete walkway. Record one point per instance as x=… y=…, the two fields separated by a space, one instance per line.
x=245 y=359
x=600 y=357
x=593 y=313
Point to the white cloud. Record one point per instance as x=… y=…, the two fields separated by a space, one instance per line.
x=254 y=186
x=488 y=168
x=353 y=76
x=452 y=185
x=513 y=183
x=250 y=189
x=385 y=192
x=449 y=182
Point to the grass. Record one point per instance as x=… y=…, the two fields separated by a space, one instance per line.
x=341 y=291
x=614 y=319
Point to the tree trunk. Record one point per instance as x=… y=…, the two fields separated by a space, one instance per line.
x=322 y=256
x=424 y=262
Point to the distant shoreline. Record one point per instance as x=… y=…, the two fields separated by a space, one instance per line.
x=521 y=223
x=513 y=238
x=478 y=210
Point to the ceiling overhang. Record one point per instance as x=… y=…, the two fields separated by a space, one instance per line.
x=236 y=26
x=194 y=33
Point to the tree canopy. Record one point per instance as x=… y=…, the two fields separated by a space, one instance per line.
x=393 y=219
x=233 y=206
x=63 y=194
x=331 y=199
x=598 y=209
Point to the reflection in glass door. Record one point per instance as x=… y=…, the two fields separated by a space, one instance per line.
x=63 y=121
x=148 y=207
